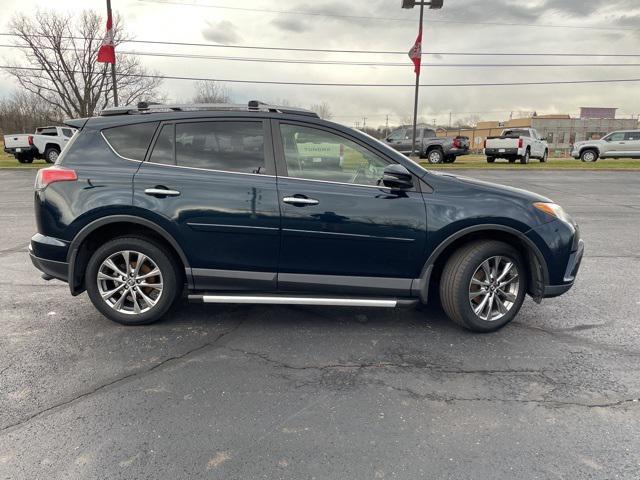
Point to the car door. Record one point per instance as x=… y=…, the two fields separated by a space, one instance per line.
x=341 y=230
x=615 y=144
x=537 y=149
x=396 y=138
x=213 y=184
x=632 y=143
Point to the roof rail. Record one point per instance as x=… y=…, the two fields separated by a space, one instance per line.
x=252 y=105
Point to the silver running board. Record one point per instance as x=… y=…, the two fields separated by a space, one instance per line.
x=282 y=300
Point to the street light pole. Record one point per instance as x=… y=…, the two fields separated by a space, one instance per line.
x=415 y=99
x=433 y=4
x=113 y=65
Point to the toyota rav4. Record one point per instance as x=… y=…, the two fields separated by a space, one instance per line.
x=272 y=205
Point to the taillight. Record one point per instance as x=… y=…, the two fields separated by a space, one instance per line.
x=484 y=145
x=520 y=143
x=456 y=143
x=47 y=176
x=30 y=139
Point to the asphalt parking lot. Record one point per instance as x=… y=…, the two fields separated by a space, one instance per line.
x=240 y=392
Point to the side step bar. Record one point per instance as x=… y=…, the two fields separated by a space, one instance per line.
x=299 y=300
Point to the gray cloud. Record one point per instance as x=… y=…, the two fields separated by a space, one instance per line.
x=289 y=23
x=221 y=32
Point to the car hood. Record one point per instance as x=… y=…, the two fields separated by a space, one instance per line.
x=496 y=188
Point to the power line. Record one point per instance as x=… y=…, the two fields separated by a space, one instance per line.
x=328 y=50
x=324 y=84
x=383 y=19
x=342 y=62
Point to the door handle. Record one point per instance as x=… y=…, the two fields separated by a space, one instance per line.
x=161 y=192
x=300 y=201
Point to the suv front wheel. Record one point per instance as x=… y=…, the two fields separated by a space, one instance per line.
x=132 y=280
x=483 y=285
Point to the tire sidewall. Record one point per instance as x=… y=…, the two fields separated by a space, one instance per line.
x=470 y=319
x=438 y=156
x=586 y=152
x=47 y=155
x=170 y=277
x=526 y=157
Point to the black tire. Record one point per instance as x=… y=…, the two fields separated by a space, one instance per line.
x=512 y=160
x=456 y=282
x=171 y=279
x=21 y=159
x=589 y=155
x=435 y=156
x=51 y=154
x=491 y=159
x=449 y=159
x=527 y=156
x=545 y=157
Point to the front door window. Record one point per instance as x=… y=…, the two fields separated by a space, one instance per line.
x=315 y=154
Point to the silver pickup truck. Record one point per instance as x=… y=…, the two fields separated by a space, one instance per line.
x=45 y=143
x=623 y=144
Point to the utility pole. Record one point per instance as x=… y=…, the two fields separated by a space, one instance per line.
x=433 y=4
x=113 y=65
x=449 y=119
x=364 y=123
x=386 y=127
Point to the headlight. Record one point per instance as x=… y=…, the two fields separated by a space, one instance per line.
x=554 y=210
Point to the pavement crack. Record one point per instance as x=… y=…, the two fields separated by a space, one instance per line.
x=543 y=402
x=401 y=365
x=119 y=380
x=9 y=251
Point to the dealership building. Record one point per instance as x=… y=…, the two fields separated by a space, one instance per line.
x=561 y=130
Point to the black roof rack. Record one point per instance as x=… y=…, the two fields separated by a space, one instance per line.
x=253 y=106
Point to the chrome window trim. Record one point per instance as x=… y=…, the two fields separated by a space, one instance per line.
x=338 y=183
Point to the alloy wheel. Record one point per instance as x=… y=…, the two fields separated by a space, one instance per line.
x=130 y=282
x=494 y=288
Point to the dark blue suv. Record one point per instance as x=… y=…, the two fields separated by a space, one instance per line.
x=262 y=204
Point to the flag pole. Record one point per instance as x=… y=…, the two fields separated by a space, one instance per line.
x=113 y=65
x=415 y=101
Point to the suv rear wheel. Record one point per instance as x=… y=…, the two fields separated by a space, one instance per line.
x=132 y=281
x=483 y=285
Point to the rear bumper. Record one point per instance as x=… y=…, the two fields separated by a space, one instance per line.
x=59 y=270
x=501 y=152
x=456 y=152
x=49 y=255
x=14 y=151
x=573 y=265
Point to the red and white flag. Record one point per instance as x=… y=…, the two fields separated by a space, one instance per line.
x=415 y=54
x=107 y=52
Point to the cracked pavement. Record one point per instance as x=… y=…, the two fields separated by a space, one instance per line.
x=239 y=392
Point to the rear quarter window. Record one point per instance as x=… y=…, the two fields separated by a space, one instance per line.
x=131 y=141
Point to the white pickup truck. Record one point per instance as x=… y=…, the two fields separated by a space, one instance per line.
x=516 y=144
x=46 y=143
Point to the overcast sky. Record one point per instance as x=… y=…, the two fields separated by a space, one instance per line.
x=616 y=29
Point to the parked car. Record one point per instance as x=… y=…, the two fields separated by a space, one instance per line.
x=46 y=143
x=435 y=149
x=516 y=144
x=622 y=144
x=145 y=202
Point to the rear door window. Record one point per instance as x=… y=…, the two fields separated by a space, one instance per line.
x=221 y=145
x=632 y=136
x=131 y=141
x=163 y=150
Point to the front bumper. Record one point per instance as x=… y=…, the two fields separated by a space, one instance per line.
x=573 y=265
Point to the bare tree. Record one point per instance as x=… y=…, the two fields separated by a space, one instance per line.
x=323 y=110
x=61 y=52
x=24 y=111
x=208 y=91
